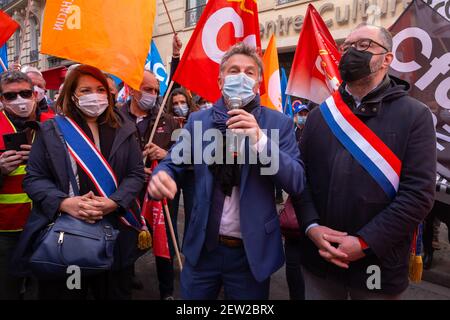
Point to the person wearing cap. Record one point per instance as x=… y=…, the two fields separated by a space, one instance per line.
x=289 y=225
x=300 y=114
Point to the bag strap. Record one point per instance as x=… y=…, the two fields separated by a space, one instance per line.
x=73 y=180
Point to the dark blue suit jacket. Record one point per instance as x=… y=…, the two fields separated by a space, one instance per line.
x=258 y=215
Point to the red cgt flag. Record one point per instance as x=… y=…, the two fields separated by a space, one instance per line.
x=314 y=74
x=222 y=24
x=7 y=27
x=153 y=213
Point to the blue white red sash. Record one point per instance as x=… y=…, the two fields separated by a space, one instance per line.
x=363 y=144
x=90 y=159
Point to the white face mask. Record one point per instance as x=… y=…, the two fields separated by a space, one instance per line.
x=40 y=93
x=20 y=107
x=93 y=104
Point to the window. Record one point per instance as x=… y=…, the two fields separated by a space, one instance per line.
x=17 y=45
x=280 y=2
x=34 y=39
x=194 y=9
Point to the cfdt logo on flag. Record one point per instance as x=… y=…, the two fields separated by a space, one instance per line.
x=69 y=15
x=156 y=65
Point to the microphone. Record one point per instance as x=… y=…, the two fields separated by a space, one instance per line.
x=234 y=103
x=233 y=145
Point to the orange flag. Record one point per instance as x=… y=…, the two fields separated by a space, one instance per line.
x=113 y=35
x=272 y=96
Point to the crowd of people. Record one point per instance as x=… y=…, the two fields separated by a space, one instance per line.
x=345 y=212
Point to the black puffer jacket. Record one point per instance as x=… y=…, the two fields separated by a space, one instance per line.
x=340 y=194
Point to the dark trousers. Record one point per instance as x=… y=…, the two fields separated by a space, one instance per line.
x=222 y=267
x=278 y=192
x=294 y=274
x=164 y=267
x=10 y=286
x=442 y=212
x=110 y=285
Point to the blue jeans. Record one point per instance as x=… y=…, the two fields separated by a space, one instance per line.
x=224 y=266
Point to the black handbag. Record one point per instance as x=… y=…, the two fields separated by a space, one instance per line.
x=72 y=242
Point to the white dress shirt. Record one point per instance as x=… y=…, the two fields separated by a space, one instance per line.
x=230 y=224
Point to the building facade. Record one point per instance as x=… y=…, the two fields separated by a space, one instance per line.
x=25 y=44
x=284 y=18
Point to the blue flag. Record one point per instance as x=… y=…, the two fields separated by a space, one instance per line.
x=285 y=99
x=155 y=64
x=4 y=58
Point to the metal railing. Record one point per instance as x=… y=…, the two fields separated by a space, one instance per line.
x=192 y=15
x=280 y=2
x=4 y=3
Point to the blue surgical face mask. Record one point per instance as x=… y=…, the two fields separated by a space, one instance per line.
x=239 y=85
x=147 y=101
x=301 y=120
x=181 y=110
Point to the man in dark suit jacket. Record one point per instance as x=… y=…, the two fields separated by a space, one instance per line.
x=234 y=238
x=358 y=238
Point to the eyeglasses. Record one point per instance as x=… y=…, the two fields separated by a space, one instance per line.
x=11 y=96
x=361 y=45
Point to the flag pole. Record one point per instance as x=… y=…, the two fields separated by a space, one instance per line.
x=168 y=15
x=172 y=234
x=161 y=109
x=169 y=89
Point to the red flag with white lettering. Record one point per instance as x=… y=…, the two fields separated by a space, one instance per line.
x=153 y=212
x=314 y=74
x=7 y=27
x=222 y=24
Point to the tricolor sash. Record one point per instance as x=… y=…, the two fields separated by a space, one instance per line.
x=92 y=162
x=363 y=144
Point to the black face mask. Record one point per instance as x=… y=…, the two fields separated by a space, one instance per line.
x=355 y=65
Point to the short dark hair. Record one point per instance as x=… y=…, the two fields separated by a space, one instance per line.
x=14 y=77
x=386 y=36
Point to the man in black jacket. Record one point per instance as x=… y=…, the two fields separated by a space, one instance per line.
x=142 y=110
x=357 y=237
